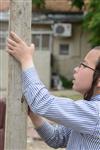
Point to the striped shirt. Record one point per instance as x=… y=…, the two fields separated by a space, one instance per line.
x=78 y=121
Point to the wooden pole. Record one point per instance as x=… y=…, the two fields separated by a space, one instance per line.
x=16 y=114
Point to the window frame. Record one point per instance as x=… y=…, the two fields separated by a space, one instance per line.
x=67 y=52
x=41 y=33
x=3 y=35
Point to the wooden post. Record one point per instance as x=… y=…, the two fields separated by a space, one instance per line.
x=16 y=114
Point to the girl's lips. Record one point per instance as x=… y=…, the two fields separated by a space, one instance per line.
x=73 y=80
x=73 y=77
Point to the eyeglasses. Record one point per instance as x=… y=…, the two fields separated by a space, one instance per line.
x=85 y=66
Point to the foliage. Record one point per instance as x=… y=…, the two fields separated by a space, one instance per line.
x=92 y=22
x=65 y=82
x=91 y=19
x=39 y=3
x=78 y=3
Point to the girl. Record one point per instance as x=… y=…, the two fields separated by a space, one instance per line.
x=78 y=121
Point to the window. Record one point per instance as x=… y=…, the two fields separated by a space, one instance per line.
x=45 y=41
x=42 y=41
x=64 y=49
x=36 y=40
x=3 y=35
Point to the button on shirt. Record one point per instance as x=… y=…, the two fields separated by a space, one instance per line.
x=78 y=121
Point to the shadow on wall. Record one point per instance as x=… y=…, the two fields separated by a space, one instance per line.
x=2 y=122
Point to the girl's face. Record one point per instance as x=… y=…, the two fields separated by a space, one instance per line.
x=83 y=74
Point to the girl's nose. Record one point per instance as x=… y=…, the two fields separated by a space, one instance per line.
x=76 y=69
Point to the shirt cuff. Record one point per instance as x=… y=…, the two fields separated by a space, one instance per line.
x=29 y=76
x=45 y=131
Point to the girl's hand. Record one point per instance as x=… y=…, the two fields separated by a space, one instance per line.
x=20 y=50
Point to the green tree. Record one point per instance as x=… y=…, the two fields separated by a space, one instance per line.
x=39 y=3
x=78 y=3
x=92 y=22
x=91 y=19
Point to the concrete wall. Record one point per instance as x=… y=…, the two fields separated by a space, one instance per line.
x=3 y=64
x=64 y=64
x=42 y=63
x=4 y=5
x=3 y=73
x=78 y=47
x=62 y=5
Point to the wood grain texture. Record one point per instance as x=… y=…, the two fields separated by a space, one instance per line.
x=16 y=112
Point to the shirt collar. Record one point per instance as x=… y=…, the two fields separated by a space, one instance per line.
x=96 y=97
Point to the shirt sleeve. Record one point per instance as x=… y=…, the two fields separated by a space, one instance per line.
x=81 y=116
x=55 y=136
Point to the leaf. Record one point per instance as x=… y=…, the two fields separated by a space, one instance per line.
x=92 y=22
x=78 y=3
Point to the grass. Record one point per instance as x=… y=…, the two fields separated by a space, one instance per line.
x=75 y=97
x=68 y=94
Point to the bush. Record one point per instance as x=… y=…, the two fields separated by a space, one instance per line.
x=66 y=83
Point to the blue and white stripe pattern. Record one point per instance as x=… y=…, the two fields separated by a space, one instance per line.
x=78 y=121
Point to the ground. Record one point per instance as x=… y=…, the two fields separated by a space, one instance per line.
x=33 y=139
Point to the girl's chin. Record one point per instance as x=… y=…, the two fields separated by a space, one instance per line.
x=75 y=88
x=78 y=89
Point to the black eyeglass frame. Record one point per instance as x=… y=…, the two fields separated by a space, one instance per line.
x=84 y=65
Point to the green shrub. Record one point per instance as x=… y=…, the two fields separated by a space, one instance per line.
x=66 y=82
x=39 y=3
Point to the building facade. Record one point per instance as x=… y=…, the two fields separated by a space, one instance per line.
x=60 y=40
x=57 y=30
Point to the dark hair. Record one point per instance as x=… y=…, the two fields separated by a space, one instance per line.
x=96 y=75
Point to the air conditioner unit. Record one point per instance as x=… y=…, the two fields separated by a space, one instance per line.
x=62 y=29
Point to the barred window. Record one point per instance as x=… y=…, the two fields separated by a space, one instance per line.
x=64 y=49
x=3 y=36
x=42 y=41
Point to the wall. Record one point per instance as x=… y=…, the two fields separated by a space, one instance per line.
x=42 y=63
x=63 y=64
x=78 y=47
x=3 y=73
x=3 y=64
x=62 y=6
x=4 y=5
